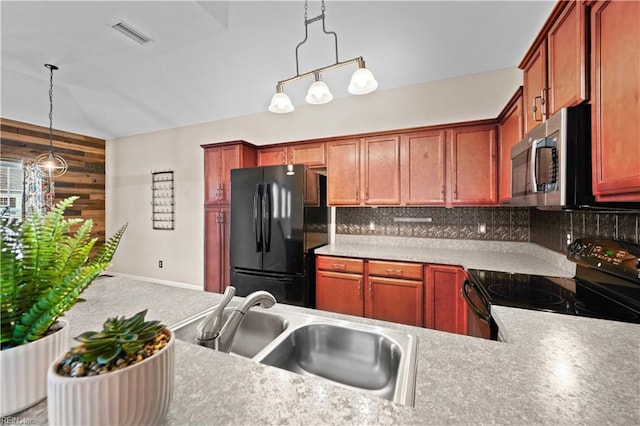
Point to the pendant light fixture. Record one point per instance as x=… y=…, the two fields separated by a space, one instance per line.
x=51 y=164
x=362 y=81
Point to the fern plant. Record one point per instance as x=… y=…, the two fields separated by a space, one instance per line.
x=44 y=267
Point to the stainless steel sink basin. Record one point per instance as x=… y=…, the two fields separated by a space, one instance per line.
x=355 y=358
x=257 y=330
x=376 y=360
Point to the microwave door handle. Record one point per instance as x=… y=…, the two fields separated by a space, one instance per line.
x=534 y=183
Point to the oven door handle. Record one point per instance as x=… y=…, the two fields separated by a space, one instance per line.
x=465 y=295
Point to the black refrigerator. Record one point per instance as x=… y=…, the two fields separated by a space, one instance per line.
x=278 y=215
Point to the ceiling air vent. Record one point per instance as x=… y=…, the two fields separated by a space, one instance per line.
x=131 y=32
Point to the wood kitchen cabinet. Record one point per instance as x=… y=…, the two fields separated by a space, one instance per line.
x=535 y=83
x=510 y=132
x=310 y=154
x=554 y=68
x=219 y=159
x=395 y=292
x=340 y=285
x=445 y=309
x=423 y=162
x=615 y=95
x=218 y=162
x=381 y=167
x=447 y=166
x=216 y=265
x=473 y=166
x=343 y=172
x=272 y=156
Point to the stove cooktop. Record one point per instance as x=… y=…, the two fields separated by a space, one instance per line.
x=561 y=295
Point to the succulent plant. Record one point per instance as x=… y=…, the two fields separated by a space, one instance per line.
x=119 y=335
x=44 y=268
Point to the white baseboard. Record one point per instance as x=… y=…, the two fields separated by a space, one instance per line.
x=154 y=280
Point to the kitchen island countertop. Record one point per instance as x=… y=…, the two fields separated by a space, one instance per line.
x=554 y=369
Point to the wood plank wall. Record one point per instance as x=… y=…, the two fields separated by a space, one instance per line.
x=85 y=156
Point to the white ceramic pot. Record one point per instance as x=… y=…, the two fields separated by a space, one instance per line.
x=24 y=370
x=139 y=394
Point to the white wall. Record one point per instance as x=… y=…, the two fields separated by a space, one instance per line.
x=131 y=160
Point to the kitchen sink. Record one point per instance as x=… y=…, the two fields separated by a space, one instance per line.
x=355 y=358
x=371 y=359
x=257 y=330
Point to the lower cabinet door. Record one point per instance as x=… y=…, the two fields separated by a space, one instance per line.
x=445 y=309
x=396 y=300
x=216 y=249
x=339 y=292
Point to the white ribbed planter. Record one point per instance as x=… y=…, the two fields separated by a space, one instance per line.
x=139 y=394
x=24 y=370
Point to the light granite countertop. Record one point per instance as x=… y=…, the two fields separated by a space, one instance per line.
x=553 y=369
x=502 y=256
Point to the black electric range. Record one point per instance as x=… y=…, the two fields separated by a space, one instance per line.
x=606 y=285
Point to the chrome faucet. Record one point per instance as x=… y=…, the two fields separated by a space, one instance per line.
x=213 y=334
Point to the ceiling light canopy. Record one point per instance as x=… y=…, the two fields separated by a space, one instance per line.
x=362 y=81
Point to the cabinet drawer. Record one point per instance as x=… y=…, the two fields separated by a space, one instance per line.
x=340 y=264
x=411 y=271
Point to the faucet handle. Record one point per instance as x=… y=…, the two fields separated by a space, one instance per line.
x=228 y=294
x=210 y=327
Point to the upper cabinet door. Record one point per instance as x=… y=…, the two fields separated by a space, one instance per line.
x=382 y=170
x=218 y=162
x=473 y=166
x=343 y=172
x=535 y=83
x=231 y=158
x=311 y=154
x=212 y=162
x=272 y=156
x=567 y=58
x=423 y=162
x=615 y=55
x=555 y=71
x=510 y=132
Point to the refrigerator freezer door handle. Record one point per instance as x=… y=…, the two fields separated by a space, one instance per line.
x=266 y=217
x=257 y=221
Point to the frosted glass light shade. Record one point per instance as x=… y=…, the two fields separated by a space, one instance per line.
x=281 y=104
x=319 y=93
x=362 y=82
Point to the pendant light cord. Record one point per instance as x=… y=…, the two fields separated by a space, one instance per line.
x=51 y=110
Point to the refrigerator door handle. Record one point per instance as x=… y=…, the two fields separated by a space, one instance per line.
x=257 y=221
x=266 y=217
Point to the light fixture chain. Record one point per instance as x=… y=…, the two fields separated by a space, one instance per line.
x=322 y=7
x=306 y=7
x=51 y=110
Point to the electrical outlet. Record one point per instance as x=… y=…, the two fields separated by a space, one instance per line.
x=159 y=263
x=482 y=228
x=372 y=226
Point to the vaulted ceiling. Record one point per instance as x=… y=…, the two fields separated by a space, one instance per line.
x=213 y=60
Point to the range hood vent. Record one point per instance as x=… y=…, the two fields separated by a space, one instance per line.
x=131 y=32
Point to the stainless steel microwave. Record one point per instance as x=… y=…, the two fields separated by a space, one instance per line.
x=551 y=166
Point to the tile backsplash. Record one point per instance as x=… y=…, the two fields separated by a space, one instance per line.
x=546 y=228
x=500 y=223
x=551 y=228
